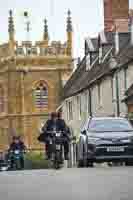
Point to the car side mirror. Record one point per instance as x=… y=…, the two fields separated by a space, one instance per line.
x=84 y=132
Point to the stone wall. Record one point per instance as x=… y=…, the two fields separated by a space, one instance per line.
x=19 y=78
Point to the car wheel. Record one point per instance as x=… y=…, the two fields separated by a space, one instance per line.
x=129 y=163
x=110 y=164
x=90 y=164
x=80 y=163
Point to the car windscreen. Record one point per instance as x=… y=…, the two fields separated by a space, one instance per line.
x=109 y=125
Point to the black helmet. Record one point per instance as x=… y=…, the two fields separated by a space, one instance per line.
x=53 y=115
x=16 y=137
x=59 y=114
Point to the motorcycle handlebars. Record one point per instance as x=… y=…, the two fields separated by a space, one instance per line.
x=21 y=151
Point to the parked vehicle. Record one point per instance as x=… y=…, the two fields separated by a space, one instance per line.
x=4 y=166
x=105 y=140
x=16 y=157
x=56 y=140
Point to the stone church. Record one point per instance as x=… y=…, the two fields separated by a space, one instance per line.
x=31 y=80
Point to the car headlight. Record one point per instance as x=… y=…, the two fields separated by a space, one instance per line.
x=93 y=140
x=127 y=140
x=131 y=139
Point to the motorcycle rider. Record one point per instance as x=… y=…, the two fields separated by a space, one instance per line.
x=17 y=144
x=61 y=126
x=50 y=125
x=56 y=123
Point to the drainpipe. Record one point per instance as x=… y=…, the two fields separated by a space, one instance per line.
x=116 y=42
x=117 y=95
x=131 y=32
x=90 y=103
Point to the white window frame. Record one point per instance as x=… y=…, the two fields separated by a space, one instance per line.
x=88 y=62
x=69 y=110
x=79 y=109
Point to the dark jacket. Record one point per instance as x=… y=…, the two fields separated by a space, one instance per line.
x=20 y=146
x=48 y=126
x=61 y=125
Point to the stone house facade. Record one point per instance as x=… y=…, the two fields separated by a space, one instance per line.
x=100 y=88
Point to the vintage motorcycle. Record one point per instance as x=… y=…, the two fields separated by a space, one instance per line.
x=15 y=157
x=56 y=141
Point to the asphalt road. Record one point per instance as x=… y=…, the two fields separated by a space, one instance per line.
x=100 y=183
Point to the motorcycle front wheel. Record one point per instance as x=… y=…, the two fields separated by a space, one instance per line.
x=17 y=164
x=57 y=160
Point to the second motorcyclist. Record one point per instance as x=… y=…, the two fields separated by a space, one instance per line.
x=61 y=126
x=17 y=144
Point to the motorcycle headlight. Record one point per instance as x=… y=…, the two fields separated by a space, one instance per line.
x=16 y=152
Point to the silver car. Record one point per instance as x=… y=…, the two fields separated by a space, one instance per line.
x=105 y=140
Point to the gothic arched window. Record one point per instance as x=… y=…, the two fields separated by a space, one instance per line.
x=41 y=95
x=1 y=99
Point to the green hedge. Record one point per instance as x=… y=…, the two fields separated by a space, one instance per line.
x=36 y=160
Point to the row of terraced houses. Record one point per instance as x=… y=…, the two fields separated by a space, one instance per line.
x=102 y=84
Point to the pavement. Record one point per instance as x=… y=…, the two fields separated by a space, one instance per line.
x=99 y=183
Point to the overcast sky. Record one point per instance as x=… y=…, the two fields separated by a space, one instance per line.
x=87 y=16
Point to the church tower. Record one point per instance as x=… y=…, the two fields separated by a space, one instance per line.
x=32 y=82
x=116 y=14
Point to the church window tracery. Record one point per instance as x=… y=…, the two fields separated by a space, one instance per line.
x=41 y=95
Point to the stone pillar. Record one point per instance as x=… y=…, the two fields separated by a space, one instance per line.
x=10 y=85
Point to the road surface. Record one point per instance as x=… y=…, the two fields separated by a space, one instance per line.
x=100 y=183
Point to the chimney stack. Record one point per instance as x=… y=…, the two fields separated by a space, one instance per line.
x=116 y=12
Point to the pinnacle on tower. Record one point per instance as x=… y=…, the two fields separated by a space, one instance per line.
x=11 y=30
x=45 y=36
x=69 y=34
x=69 y=22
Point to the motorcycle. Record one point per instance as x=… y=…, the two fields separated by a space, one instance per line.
x=56 y=140
x=15 y=157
